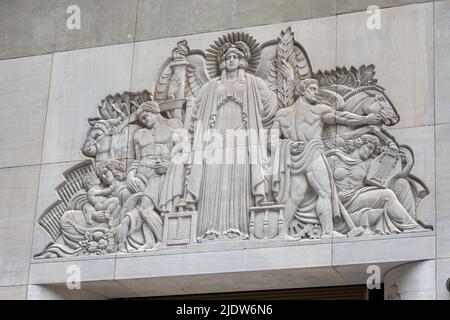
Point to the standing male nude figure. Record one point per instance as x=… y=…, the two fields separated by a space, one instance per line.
x=303 y=124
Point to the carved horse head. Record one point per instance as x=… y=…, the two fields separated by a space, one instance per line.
x=98 y=139
x=371 y=99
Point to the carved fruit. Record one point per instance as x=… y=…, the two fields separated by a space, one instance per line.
x=97 y=235
x=102 y=244
x=93 y=247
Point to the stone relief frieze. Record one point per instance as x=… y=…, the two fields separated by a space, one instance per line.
x=239 y=142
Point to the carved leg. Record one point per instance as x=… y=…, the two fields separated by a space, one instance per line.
x=113 y=211
x=149 y=238
x=296 y=195
x=320 y=182
x=386 y=200
x=152 y=226
x=402 y=190
x=123 y=232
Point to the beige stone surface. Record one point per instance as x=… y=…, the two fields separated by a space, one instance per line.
x=421 y=140
x=238 y=281
x=411 y=281
x=24 y=85
x=39 y=26
x=80 y=80
x=25 y=31
x=103 y=22
x=442 y=52
x=60 y=292
x=401 y=50
x=364 y=273
x=18 y=189
x=261 y=12
x=442 y=276
x=168 y=18
x=32 y=27
x=59 y=271
x=191 y=263
x=345 y=6
x=51 y=175
x=109 y=289
x=403 y=54
x=13 y=292
x=94 y=290
x=443 y=191
x=379 y=250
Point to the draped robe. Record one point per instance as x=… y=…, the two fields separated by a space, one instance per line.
x=225 y=190
x=287 y=165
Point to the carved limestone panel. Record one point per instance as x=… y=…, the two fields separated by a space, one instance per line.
x=240 y=141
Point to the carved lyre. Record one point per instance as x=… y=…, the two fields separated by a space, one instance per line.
x=384 y=168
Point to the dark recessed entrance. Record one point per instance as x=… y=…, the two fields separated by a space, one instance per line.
x=356 y=292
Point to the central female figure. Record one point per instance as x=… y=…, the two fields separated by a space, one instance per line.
x=230 y=153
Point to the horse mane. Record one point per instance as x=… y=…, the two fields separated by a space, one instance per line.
x=363 y=89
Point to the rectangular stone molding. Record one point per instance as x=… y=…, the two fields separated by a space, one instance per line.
x=402 y=51
x=442 y=65
x=90 y=269
x=389 y=249
x=222 y=261
x=81 y=79
x=24 y=85
x=33 y=27
x=443 y=190
x=18 y=189
x=179 y=228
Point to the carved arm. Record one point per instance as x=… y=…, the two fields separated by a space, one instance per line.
x=350 y=119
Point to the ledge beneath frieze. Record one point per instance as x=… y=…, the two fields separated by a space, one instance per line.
x=206 y=268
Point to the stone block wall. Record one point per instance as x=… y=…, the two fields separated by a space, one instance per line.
x=52 y=78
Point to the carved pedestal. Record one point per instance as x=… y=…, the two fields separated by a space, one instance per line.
x=179 y=228
x=267 y=222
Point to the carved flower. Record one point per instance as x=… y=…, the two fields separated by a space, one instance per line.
x=98 y=242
